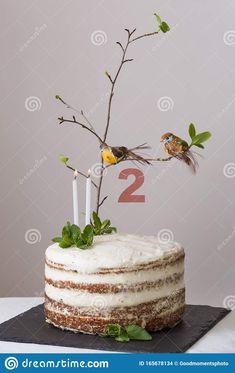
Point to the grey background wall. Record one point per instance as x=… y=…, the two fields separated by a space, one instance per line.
x=63 y=47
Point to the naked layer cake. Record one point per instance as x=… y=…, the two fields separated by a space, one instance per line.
x=123 y=279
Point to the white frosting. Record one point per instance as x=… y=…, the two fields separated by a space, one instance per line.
x=78 y=298
x=127 y=278
x=112 y=251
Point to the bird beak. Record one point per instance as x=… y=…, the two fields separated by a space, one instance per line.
x=161 y=139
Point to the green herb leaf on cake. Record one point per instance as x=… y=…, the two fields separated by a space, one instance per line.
x=138 y=333
x=99 y=227
x=57 y=239
x=73 y=236
x=126 y=333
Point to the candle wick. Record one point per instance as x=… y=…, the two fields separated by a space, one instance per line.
x=75 y=174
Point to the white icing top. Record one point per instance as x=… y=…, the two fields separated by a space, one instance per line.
x=112 y=251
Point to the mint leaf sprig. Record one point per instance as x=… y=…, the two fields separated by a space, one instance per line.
x=101 y=227
x=196 y=139
x=73 y=236
x=126 y=333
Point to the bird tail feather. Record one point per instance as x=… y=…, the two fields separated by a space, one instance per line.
x=190 y=160
x=137 y=157
x=141 y=146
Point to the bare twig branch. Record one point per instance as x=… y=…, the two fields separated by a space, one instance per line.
x=77 y=111
x=62 y=120
x=104 y=199
x=134 y=159
x=132 y=32
x=113 y=85
x=67 y=105
x=144 y=36
x=99 y=187
x=109 y=76
x=91 y=128
x=87 y=120
x=118 y=42
x=113 y=82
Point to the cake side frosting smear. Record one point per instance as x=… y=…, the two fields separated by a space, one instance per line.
x=122 y=278
x=113 y=251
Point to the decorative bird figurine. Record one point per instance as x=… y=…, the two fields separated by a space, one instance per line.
x=115 y=154
x=175 y=147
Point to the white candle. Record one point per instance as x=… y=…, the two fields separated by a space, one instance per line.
x=75 y=199
x=88 y=197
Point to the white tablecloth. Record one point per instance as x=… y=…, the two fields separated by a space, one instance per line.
x=220 y=339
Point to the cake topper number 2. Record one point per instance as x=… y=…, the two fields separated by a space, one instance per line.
x=127 y=195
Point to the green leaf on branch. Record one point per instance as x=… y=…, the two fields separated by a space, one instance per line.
x=57 y=97
x=201 y=137
x=164 y=27
x=200 y=146
x=192 y=130
x=158 y=18
x=63 y=159
x=197 y=139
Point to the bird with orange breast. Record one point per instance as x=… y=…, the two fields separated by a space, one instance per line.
x=175 y=147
